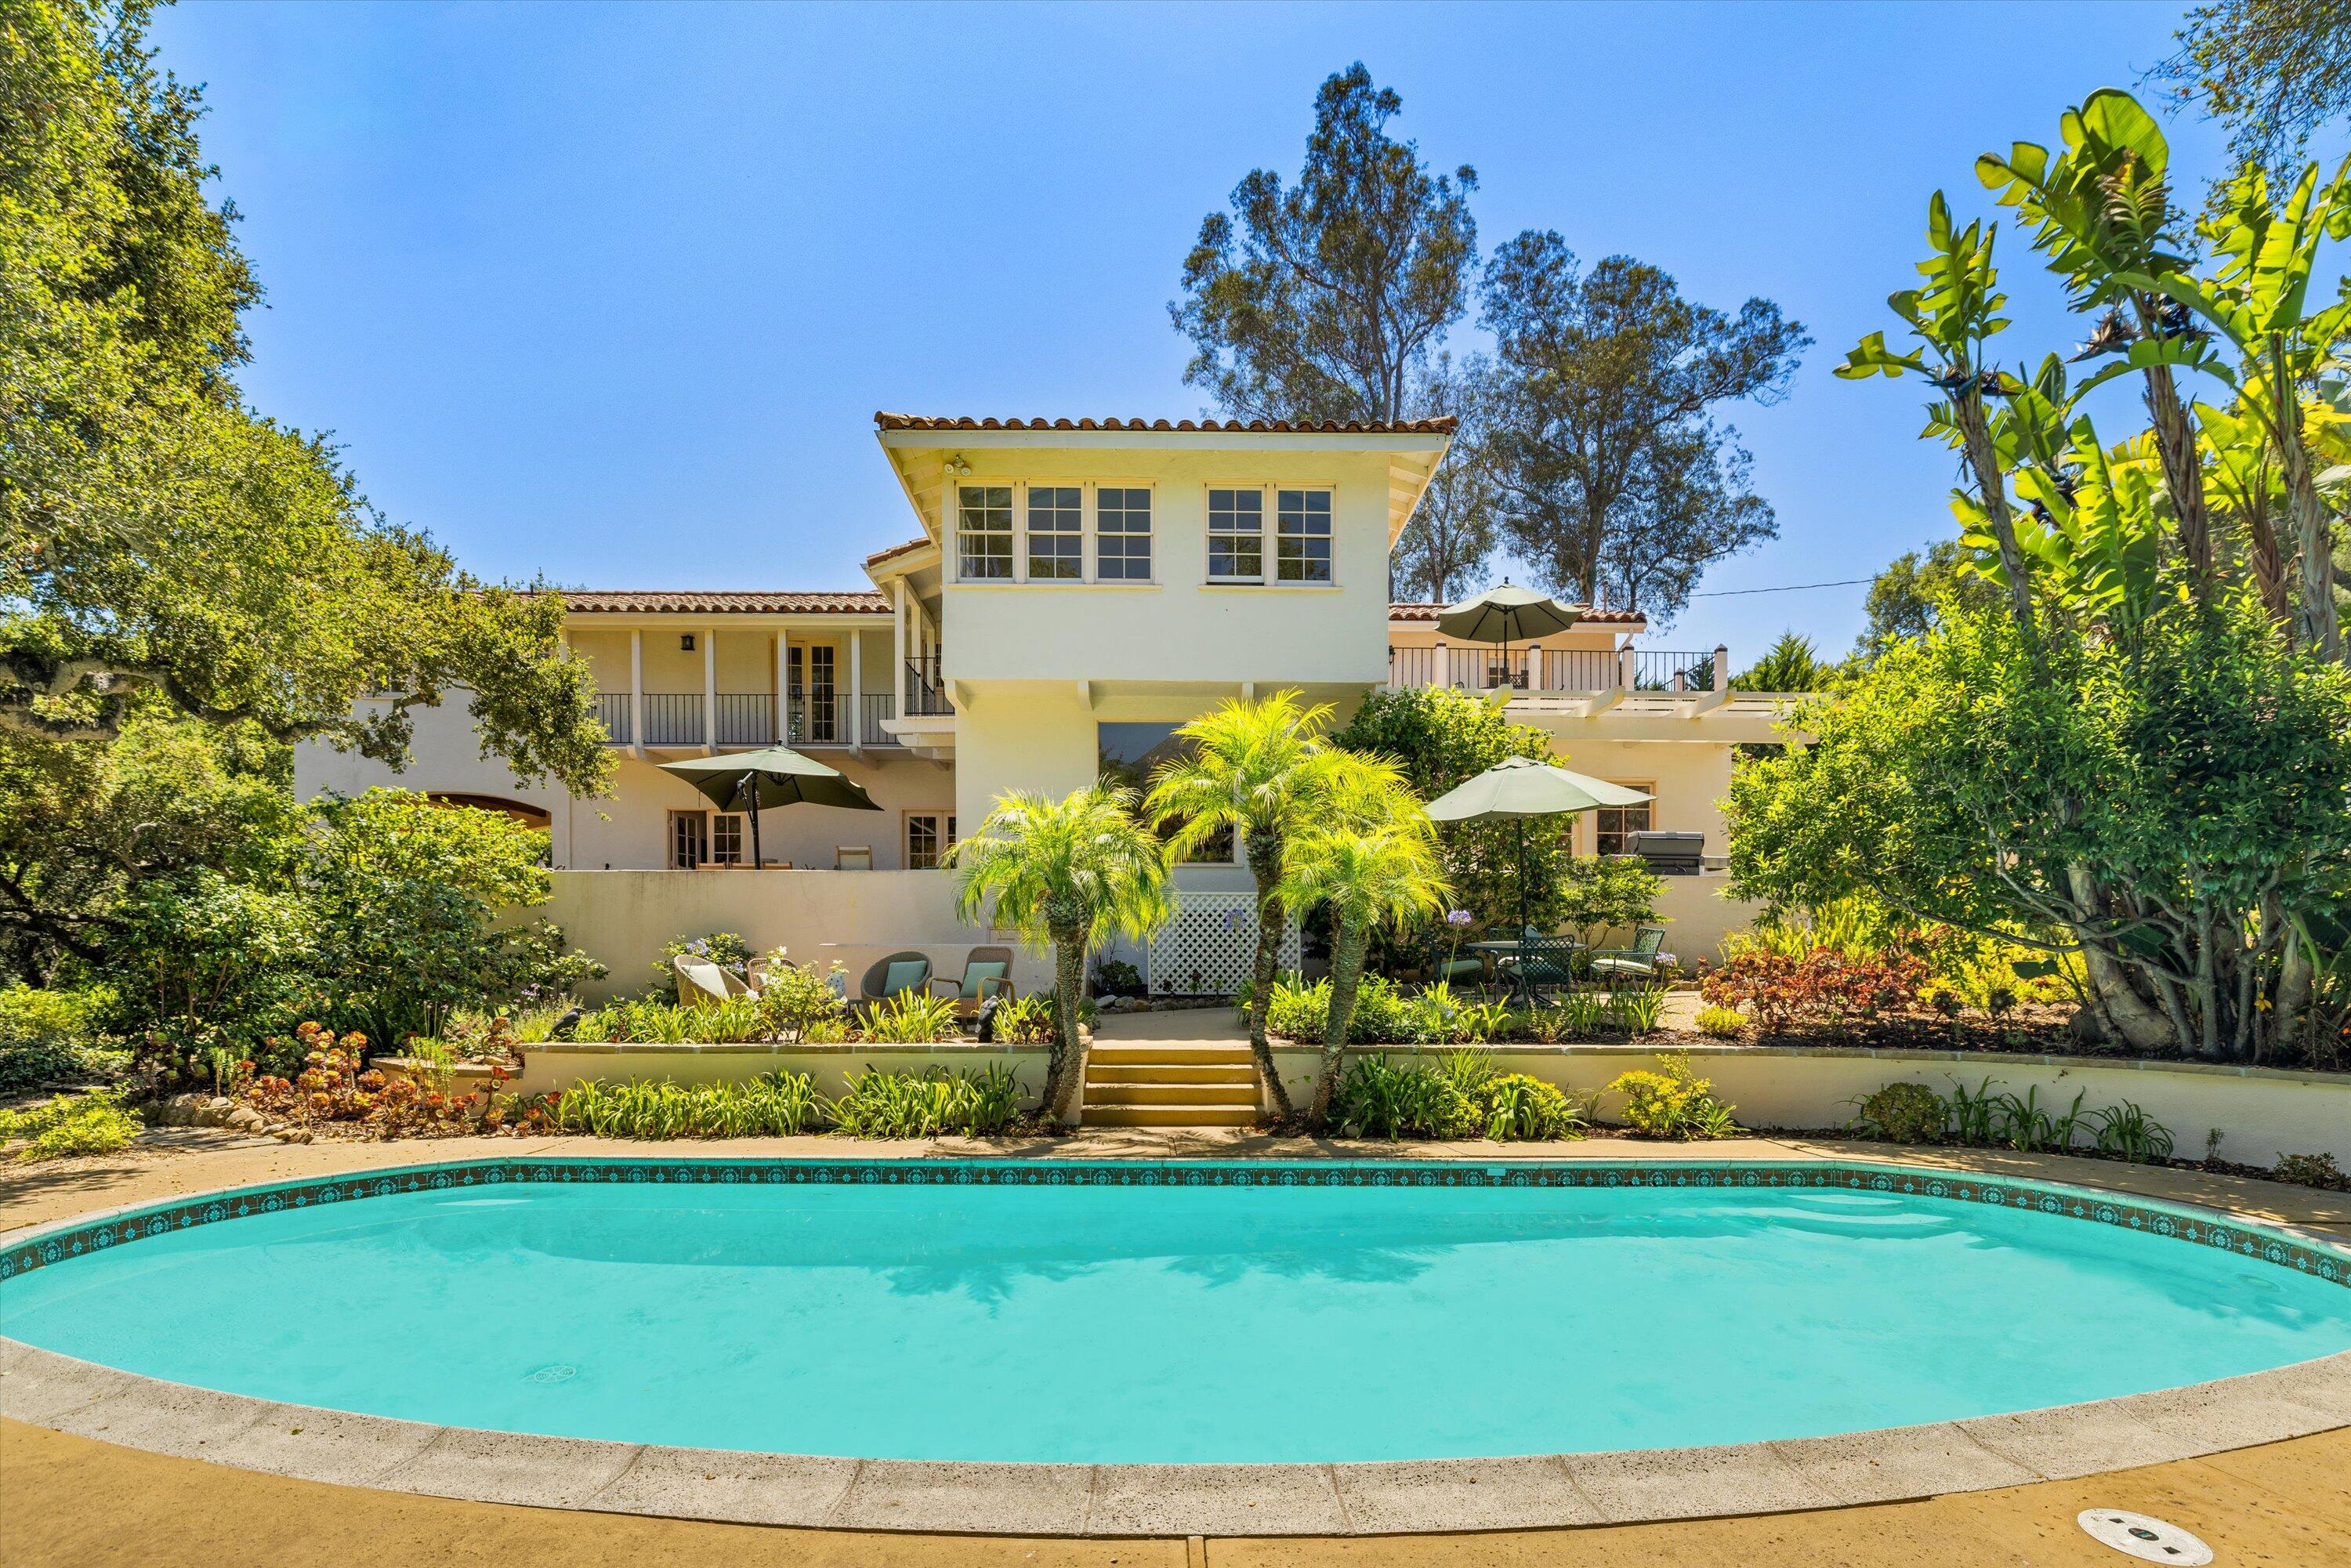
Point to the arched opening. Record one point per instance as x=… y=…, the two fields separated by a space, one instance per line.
x=530 y=816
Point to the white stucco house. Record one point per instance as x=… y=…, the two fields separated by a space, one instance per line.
x=1077 y=589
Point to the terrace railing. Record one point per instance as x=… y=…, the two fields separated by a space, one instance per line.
x=925 y=688
x=879 y=705
x=747 y=719
x=673 y=719
x=613 y=713
x=1479 y=668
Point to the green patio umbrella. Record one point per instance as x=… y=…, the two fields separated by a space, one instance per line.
x=773 y=776
x=1523 y=787
x=1506 y=615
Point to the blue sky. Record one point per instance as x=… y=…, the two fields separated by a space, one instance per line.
x=612 y=292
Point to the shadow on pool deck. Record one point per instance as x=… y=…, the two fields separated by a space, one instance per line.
x=71 y=1502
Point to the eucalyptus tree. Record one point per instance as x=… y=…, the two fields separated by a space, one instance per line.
x=1618 y=478
x=1069 y=875
x=1455 y=529
x=1317 y=300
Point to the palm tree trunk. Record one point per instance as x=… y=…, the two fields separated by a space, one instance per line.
x=1066 y=1069
x=1992 y=488
x=1265 y=869
x=2319 y=629
x=1346 y=975
x=2183 y=472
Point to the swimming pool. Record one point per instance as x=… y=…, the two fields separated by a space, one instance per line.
x=1243 y=1312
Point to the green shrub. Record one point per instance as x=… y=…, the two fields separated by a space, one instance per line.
x=1117 y=977
x=1638 y=1011
x=880 y=1105
x=1902 y=1113
x=51 y=1036
x=1461 y=1097
x=1673 y=1102
x=774 y=1104
x=1024 y=1021
x=1516 y=1106
x=2129 y=1132
x=90 y=1123
x=1721 y=1023
x=798 y=1003
x=2312 y=1170
x=1298 y=1012
x=912 y=1018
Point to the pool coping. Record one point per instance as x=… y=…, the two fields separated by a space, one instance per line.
x=1400 y=1497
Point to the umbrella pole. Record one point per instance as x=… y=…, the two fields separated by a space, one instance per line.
x=751 y=779
x=1522 y=879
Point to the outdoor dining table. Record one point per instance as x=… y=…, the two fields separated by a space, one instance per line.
x=1508 y=947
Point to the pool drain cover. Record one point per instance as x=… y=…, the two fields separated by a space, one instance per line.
x=2148 y=1540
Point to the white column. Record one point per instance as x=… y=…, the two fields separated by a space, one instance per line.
x=1625 y=667
x=898 y=643
x=1535 y=667
x=637 y=692
x=709 y=690
x=1721 y=667
x=856 y=690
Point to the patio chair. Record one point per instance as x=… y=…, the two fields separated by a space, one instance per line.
x=1541 y=964
x=1460 y=969
x=986 y=972
x=1639 y=962
x=702 y=984
x=894 y=976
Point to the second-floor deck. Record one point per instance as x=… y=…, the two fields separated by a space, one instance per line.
x=1478 y=667
x=722 y=721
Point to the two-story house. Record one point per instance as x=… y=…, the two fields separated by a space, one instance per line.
x=1079 y=588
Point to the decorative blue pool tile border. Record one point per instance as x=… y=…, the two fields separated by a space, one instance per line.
x=2248 y=1240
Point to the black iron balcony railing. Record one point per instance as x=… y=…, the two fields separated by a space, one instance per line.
x=673 y=719
x=747 y=719
x=613 y=713
x=925 y=688
x=879 y=705
x=816 y=718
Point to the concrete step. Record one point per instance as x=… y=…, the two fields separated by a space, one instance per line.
x=1101 y=1095
x=1101 y=1071
x=1111 y=1053
x=1171 y=1115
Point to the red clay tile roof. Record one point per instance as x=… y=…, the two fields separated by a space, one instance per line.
x=663 y=602
x=1404 y=611
x=894 y=552
x=1442 y=425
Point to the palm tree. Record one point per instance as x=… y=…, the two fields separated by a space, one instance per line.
x=1258 y=770
x=1070 y=874
x=1367 y=875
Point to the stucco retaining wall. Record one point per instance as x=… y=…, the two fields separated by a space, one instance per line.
x=548 y=1068
x=2261 y=1112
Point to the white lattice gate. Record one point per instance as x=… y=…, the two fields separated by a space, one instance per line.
x=1205 y=949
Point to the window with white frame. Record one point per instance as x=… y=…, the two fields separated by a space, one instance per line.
x=1613 y=827
x=984 y=532
x=1057 y=533
x=929 y=836
x=1302 y=536
x=1122 y=535
x=727 y=833
x=1236 y=536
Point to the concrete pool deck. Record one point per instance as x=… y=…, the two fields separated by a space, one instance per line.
x=1144 y=1502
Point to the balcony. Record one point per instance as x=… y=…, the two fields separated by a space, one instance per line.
x=926 y=696
x=675 y=720
x=1577 y=671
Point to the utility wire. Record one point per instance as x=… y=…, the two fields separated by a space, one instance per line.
x=1788 y=587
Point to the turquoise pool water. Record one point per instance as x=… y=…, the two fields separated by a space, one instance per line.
x=1171 y=1322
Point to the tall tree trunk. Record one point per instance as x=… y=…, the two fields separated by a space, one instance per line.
x=2314 y=526
x=1065 y=1072
x=2141 y=1024
x=2296 y=976
x=1346 y=977
x=1992 y=488
x=2267 y=561
x=1265 y=869
x=2183 y=473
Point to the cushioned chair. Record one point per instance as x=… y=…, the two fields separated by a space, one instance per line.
x=1613 y=966
x=701 y=985
x=893 y=975
x=1459 y=969
x=986 y=972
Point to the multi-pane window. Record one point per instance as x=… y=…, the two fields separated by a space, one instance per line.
x=1236 y=536
x=1302 y=538
x=689 y=838
x=1123 y=535
x=1057 y=533
x=984 y=531
x=725 y=839
x=929 y=836
x=1613 y=826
